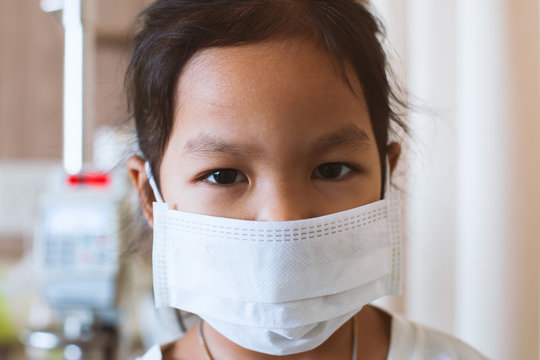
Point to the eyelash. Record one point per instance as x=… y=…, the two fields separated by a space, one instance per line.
x=206 y=175
x=350 y=169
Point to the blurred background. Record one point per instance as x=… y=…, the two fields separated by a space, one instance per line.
x=75 y=274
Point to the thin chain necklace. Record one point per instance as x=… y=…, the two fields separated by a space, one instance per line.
x=208 y=355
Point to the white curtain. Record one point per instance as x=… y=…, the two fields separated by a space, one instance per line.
x=473 y=168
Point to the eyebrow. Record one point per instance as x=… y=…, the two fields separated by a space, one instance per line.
x=204 y=144
x=347 y=136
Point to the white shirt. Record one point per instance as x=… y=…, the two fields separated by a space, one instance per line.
x=408 y=341
x=413 y=341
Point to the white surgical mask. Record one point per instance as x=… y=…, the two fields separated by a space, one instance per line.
x=277 y=287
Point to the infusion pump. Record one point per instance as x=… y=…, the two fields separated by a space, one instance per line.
x=77 y=241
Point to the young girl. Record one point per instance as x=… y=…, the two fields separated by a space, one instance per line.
x=264 y=129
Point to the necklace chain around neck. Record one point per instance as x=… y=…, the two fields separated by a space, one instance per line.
x=208 y=354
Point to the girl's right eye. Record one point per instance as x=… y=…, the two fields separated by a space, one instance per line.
x=224 y=177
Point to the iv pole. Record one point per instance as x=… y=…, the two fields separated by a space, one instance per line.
x=73 y=82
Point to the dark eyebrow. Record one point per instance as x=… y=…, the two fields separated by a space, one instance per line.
x=348 y=136
x=205 y=144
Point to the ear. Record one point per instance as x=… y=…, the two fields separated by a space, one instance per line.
x=137 y=173
x=393 y=151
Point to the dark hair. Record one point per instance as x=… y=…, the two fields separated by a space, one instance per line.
x=172 y=31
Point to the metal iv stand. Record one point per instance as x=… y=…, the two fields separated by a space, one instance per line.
x=89 y=328
x=73 y=81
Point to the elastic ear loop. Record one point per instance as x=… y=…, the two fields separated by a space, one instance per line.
x=159 y=199
x=387 y=178
x=152 y=182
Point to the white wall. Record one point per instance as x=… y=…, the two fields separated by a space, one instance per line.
x=498 y=278
x=473 y=195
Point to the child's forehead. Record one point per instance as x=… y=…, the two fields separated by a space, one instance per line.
x=279 y=94
x=264 y=66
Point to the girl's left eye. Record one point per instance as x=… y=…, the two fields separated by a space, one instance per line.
x=332 y=171
x=225 y=177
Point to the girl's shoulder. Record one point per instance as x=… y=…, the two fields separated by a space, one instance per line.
x=410 y=340
x=154 y=353
x=182 y=348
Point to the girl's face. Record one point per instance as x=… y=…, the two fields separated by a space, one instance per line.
x=269 y=132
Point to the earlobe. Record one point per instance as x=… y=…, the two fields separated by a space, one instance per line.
x=139 y=178
x=393 y=151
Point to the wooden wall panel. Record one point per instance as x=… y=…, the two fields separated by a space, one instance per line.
x=31 y=52
x=31 y=63
x=116 y=17
x=111 y=60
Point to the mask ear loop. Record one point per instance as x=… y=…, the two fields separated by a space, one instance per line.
x=152 y=182
x=387 y=178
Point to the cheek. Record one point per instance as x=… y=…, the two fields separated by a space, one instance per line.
x=335 y=197
x=361 y=188
x=208 y=201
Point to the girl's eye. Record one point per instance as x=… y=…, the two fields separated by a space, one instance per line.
x=225 y=177
x=332 y=171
